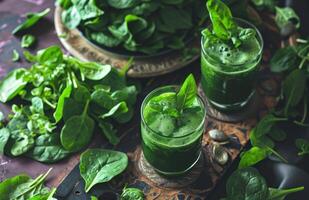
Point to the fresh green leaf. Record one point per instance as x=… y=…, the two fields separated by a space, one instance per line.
x=15 y=56
x=87 y=9
x=31 y=19
x=132 y=194
x=303 y=146
x=187 y=93
x=50 y=56
x=221 y=18
x=12 y=84
x=4 y=137
x=100 y=165
x=252 y=156
x=284 y=59
x=293 y=89
x=22 y=144
x=246 y=184
x=71 y=18
x=48 y=149
x=115 y=111
x=58 y=114
x=266 y=123
x=286 y=15
x=27 y=41
x=23 y=187
x=77 y=131
x=94 y=71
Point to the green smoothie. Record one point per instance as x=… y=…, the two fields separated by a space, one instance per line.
x=171 y=142
x=229 y=61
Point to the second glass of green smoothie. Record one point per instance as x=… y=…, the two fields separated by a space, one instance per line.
x=171 y=142
x=229 y=73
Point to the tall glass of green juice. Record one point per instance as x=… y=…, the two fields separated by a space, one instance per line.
x=171 y=144
x=229 y=73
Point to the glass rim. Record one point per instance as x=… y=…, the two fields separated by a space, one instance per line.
x=259 y=55
x=145 y=101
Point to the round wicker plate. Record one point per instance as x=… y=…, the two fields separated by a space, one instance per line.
x=143 y=66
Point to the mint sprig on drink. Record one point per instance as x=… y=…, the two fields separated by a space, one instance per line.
x=173 y=105
x=186 y=94
x=224 y=27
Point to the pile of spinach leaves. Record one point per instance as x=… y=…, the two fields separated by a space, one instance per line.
x=135 y=25
x=60 y=101
x=23 y=186
x=248 y=184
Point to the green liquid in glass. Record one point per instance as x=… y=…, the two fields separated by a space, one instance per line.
x=228 y=73
x=172 y=145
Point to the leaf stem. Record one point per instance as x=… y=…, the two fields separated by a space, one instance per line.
x=85 y=109
x=277 y=154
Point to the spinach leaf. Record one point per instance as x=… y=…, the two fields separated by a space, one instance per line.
x=22 y=144
x=284 y=59
x=109 y=132
x=50 y=56
x=31 y=19
x=23 y=187
x=4 y=137
x=266 y=123
x=187 y=93
x=100 y=165
x=303 y=146
x=48 y=149
x=71 y=18
x=27 y=41
x=87 y=9
x=246 y=184
x=280 y=194
x=285 y=16
x=72 y=107
x=15 y=56
x=77 y=131
x=221 y=18
x=94 y=71
x=293 y=89
x=102 y=98
x=132 y=194
x=58 y=114
x=252 y=156
x=12 y=84
x=115 y=111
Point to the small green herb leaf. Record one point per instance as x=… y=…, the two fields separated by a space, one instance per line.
x=60 y=105
x=27 y=41
x=303 y=146
x=285 y=16
x=12 y=84
x=100 y=165
x=221 y=18
x=109 y=132
x=31 y=19
x=4 y=137
x=15 y=56
x=132 y=194
x=187 y=93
